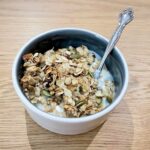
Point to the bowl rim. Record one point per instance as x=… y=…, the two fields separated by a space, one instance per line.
x=26 y=102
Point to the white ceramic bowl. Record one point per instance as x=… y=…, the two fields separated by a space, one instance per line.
x=75 y=37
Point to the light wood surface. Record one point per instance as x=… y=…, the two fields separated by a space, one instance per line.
x=128 y=127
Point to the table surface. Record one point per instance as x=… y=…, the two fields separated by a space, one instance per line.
x=128 y=126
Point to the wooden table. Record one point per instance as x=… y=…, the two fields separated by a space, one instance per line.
x=128 y=127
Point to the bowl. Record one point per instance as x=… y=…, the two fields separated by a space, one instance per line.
x=65 y=37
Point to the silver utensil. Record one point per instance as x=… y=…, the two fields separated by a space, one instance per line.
x=125 y=17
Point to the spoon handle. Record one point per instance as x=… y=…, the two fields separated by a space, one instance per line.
x=111 y=44
x=124 y=18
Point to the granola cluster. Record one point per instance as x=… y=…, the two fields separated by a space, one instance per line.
x=62 y=82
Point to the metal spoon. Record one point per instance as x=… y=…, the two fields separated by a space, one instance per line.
x=125 y=17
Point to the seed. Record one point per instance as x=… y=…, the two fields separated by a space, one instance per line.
x=91 y=74
x=68 y=81
x=59 y=92
x=46 y=93
x=67 y=92
x=98 y=101
x=78 y=71
x=80 y=103
x=74 y=81
x=68 y=52
x=99 y=94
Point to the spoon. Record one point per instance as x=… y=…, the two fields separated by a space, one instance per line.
x=125 y=17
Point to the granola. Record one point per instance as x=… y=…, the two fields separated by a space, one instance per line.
x=61 y=82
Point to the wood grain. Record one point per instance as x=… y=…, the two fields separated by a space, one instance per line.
x=128 y=127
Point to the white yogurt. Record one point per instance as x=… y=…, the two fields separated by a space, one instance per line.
x=105 y=75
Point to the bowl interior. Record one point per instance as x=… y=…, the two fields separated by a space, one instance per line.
x=65 y=38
